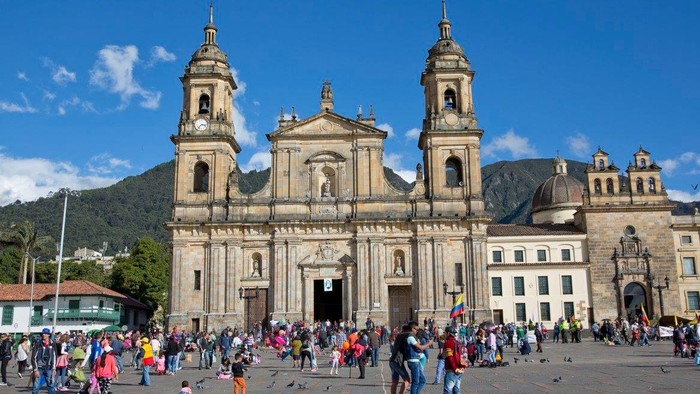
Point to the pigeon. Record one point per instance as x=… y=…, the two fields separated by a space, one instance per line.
x=328 y=388
x=271 y=385
x=664 y=370
x=248 y=376
x=569 y=360
x=304 y=386
x=505 y=364
x=544 y=360
x=556 y=380
x=516 y=359
x=291 y=384
x=200 y=384
x=695 y=186
x=275 y=373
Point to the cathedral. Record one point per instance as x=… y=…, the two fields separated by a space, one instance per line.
x=328 y=237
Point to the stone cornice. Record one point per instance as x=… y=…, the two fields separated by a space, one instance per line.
x=515 y=266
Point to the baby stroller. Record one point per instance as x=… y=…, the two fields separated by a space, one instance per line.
x=524 y=347
x=78 y=376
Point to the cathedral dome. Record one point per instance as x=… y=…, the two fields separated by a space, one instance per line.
x=210 y=52
x=556 y=199
x=445 y=47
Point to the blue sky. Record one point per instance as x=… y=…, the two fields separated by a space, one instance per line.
x=90 y=91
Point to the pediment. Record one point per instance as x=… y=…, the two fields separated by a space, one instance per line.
x=325 y=157
x=324 y=125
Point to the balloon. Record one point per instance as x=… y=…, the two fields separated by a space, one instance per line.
x=346 y=345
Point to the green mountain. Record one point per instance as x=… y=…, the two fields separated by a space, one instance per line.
x=137 y=206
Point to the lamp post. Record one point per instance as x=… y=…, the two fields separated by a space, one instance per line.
x=66 y=193
x=660 y=288
x=31 y=297
x=454 y=294
x=247 y=298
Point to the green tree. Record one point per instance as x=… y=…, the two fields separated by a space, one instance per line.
x=72 y=270
x=26 y=237
x=144 y=274
x=9 y=264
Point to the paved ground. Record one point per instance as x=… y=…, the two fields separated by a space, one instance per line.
x=595 y=368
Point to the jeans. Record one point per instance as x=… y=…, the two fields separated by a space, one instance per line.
x=417 y=377
x=172 y=363
x=45 y=376
x=61 y=376
x=120 y=362
x=480 y=351
x=375 y=356
x=3 y=369
x=205 y=358
x=177 y=362
x=452 y=383
x=224 y=353
x=146 y=378
x=439 y=370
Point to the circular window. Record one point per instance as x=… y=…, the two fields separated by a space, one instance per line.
x=630 y=231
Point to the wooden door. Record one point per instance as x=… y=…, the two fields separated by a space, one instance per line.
x=400 y=308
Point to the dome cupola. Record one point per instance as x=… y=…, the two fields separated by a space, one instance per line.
x=556 y=200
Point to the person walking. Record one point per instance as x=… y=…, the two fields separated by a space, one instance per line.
x=375 y=344
x=5 y=356
x=440 y=368
x=413 y=347
x=454 y=367
x=106 y=369
x=397 y=359
x=146 y=361
x=22 y=355
x=44 y=363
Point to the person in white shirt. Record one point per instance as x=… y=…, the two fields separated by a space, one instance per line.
x=155 y=344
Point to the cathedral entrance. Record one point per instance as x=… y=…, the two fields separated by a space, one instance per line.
x=635 y=296
x=328 y=300
x=400 y=310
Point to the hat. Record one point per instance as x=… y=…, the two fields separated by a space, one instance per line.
x=120 y=337
x=46 y=331
x=144 y=339
x=107 y=349
x=450 y=329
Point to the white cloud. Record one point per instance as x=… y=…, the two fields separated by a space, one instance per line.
x=27 y=179
x=688 y=160
x=244 y=135
x=386 y=127
x=75 y=101
x=160 y=54
x=114 y=72
x=518 y=147
x=681 y=195
x=6 y=106
x=393 y=161
x=48 y=95
x=23 y=76
x=579 y=145
x=259 y=161
x=413 y=134
x=104 y=164
x=62 y=76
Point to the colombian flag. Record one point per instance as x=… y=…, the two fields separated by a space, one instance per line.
x=458 y=308
x=645 y=319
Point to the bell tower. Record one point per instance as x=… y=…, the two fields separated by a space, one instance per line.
x=205 y=145
x=450 y=137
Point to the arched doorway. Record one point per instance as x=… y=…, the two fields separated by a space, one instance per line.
x=635 y=296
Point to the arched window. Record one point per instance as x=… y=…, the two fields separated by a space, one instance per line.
x=450 y=99
x=204 y=104
x=652 y=185
x=201 y=177
x=609 y=186
x=453 y=172
x=596 y=186
x=640 y=185
x=643 y=163
x=601 y=164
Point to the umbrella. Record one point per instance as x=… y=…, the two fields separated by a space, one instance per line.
x=112 y=329
x=670 y=320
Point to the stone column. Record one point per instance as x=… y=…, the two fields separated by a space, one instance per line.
x=362 y=276
x=294 y=275
x=280 y=277
x=439 y=270
x=308 y=289
x=217 y=280
x=348 y=285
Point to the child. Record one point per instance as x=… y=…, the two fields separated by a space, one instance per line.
x=224 y=372
x=185 y=388
x=335 y=359
x=471 y=353
x=238 y=380
x=160 y=365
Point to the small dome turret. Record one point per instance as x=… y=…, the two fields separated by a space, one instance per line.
x=556 y=200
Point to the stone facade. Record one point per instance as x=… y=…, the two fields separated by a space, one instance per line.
x=327 y=236
x=686 y=238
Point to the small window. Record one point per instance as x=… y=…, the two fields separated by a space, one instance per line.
x=450 y=99
x=568 y=309
x=643 y=163
x=8 y=315
x=519 y=283
x=453 y=172
x=101 y=304
x=686 y=239
x=198 y=280
x=201 y=178
x=566 y=285
x=73 y=304
x=458 y=274
x=596 y=186
x=543 y=285
x=689 y=266
x=566 y=255
x=496 y=287
x=519 y=256
x=520 y=313
x=609 y=188
x=652 y=185
x=545 y=314
x=541 y=255
x=497 y=256
x=601 y=164
x=693 y=301
x=640 y=185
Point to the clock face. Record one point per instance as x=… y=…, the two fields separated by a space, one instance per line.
x=201 y=124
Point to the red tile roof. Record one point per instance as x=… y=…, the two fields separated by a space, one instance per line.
x=47 y=290
x=519 y=230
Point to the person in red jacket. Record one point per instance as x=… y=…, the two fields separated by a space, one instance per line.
x=454 y=367
x=106 y=370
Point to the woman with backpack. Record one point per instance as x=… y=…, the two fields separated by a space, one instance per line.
x=106 y=370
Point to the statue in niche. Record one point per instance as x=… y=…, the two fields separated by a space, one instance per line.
x=419 y=172
x=256 y=268
x=326 y=188
x=398 y=266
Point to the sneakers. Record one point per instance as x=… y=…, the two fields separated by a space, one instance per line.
x=3 y=384
x=19 y=374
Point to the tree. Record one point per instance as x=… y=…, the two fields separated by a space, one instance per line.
x=26 y=237
x=72 y=270
x=144 y=274
x=9 y=263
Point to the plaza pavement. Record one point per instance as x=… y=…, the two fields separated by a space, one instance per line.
x=595 y=368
